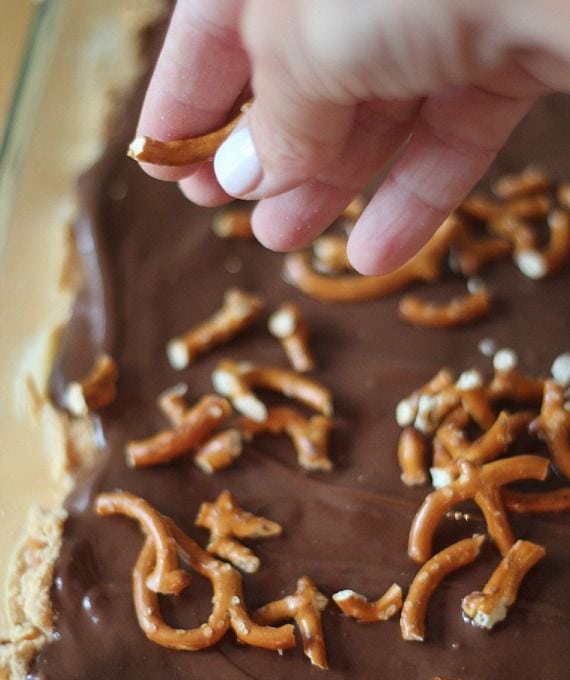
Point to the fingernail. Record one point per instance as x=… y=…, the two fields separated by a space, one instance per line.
x=236 y=165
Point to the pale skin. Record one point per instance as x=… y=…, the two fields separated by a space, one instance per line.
x=340 y=86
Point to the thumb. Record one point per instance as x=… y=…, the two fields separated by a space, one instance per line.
x=290 y=133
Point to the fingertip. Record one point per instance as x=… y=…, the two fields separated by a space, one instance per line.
x=168 y=174
x=203 y=189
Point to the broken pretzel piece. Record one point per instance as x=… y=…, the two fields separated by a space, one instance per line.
x=538 y=264
x=530 y=181
x=489 y=607
x=236 y=381
x=290 y=328
x=424 y=266
x=330 y=256
x=412 y=454
x=509 y=384
x=469 y=254
x=428 y=578
x=227 y=521
x=238 y=312
x=358 y=607
x=233 y=223
x=194 y=426
x=182 y=151
x=163 y=576
x=95 y=390
x=219 y=452
x=553 y=425
x=228 y=604
x=310 y=436
x=483 y=485
x=459 y=311
x=304 y=607
x=355 y=208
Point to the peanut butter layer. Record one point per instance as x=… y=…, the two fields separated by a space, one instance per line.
x=100 y=54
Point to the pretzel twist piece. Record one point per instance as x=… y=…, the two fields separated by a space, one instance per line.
x=412 y=453
x=219 y=452
x=182 y=151
x=236 y=381
x=194 y=427
x=238 y=312
x=304 y=607
x=482 y=484
x=226 y=520
x=358 y=607
x=228 y=605
x=425 y=266
x=310 y=436
x=291 y=329
x=95 y=390
x=163 y=576
x=459 y=311
x=538 y=264
x=487 y=608
x=553 y=425
x=428 y=578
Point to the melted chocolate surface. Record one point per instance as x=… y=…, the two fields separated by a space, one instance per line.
x=154 y=269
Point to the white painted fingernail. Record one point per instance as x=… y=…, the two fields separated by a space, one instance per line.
x=236 y=165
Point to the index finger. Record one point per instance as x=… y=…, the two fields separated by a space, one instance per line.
x=199 y=75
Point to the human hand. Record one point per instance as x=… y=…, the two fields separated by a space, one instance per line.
x=340 y=86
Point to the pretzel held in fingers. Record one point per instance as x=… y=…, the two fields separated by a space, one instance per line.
x=428 y=578
x=238 y=312
x=330 y=256
x=163 y=576
x=358 y=607
x=95 y=390
x=305 y=607
x=182 y=151
x=483 y=485
x=489 y=607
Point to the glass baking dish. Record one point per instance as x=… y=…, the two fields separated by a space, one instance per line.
x=78 y=57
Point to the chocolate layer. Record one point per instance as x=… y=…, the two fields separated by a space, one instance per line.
x=154 y=269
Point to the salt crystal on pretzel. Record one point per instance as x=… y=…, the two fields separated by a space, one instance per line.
x=95 y=390
x=459 y=311
x=310 y=436
x=194 y=426
x=553 y=425
x=163 y=576
x=428 y=578
x=238 y=312
x=537 y=264
x=487 y=608
x=236 y=381
x=226 y=521
x=305 y=607
x=483 y=485
x=357 y=607
x=289 y=326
